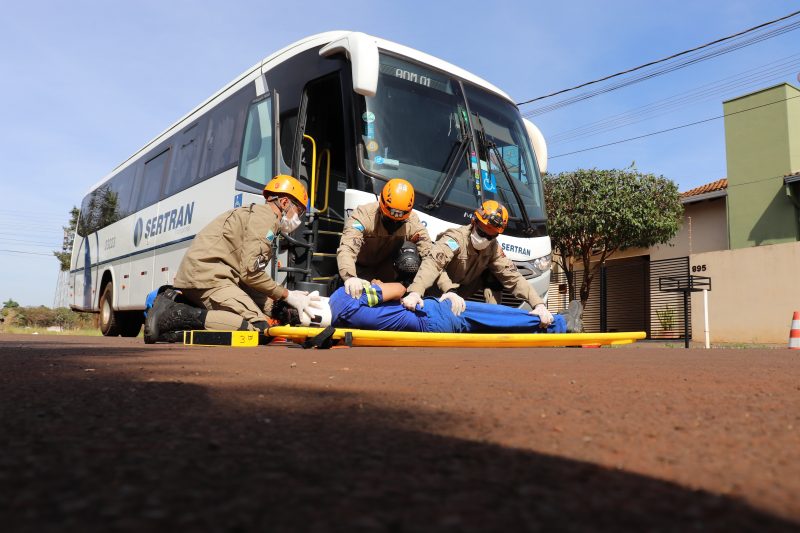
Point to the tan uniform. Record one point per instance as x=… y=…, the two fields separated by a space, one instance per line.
x=367 y=250
x=454 y=255
x=225 y=267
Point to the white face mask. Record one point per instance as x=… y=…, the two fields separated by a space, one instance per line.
x=288 y=225
x=478 y=242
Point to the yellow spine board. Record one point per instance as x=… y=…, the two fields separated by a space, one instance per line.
x=363 y=337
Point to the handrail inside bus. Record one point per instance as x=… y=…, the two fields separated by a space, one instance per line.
x=313 y=171
x=326 y=153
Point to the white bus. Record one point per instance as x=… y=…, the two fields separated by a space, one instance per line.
x=343 y=111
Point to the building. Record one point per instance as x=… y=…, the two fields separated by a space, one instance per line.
x=762 y=146
x=742 y=231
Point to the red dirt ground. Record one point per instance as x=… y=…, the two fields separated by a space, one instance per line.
x=107 y=434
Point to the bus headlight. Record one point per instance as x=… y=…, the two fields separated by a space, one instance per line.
x=543 y=263
x=534 y=268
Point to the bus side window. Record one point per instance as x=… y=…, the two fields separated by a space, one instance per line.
x=122 y=185
x=224 y=137
x=85 y=218
x=185 y=169
x=255 y=168
x=147 y=189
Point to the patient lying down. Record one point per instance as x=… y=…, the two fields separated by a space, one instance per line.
x=379 y=308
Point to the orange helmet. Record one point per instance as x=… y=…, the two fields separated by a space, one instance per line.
x=397 y=199
x=491 y=217
x=283 y=184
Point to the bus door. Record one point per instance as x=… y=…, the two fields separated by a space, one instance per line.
x=261 y=160
x=321 y=161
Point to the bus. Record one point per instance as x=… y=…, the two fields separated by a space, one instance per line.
x=342 y=111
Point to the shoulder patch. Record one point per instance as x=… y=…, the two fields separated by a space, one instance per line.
x=451 y=242
x=270 y=236
x=358 y=225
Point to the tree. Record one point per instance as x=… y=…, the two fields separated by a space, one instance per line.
x=65 y=255
x=593 y=214
x=10 y=304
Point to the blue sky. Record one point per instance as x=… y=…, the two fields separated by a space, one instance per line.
x=87 y=83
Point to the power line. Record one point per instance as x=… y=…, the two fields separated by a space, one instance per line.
x=671 y=129
x=34 y=234
x=31 y=243
x=663 y=70
x=651 y=63
x=23 y=252
x=754 y=77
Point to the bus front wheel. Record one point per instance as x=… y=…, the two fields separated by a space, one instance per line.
x=108 y=317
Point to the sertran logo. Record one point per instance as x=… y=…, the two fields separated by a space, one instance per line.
x=516 y=249
x=167 y=221
x=137 y=232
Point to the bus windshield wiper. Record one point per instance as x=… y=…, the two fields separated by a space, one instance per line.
x=491 y=145
x=460 y=151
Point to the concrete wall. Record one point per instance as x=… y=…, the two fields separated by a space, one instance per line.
x=703 y=230
x=761 y=143
x=754 y=292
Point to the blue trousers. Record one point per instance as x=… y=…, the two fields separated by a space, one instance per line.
x=485 y=318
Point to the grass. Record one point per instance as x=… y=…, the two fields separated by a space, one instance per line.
x=92 y=332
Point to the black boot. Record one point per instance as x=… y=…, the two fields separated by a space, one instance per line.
x=171 y=337
x=167 y=315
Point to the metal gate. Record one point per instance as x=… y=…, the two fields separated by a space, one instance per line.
x=624 y=296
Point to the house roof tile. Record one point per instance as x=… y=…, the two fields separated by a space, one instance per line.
x=708 y=187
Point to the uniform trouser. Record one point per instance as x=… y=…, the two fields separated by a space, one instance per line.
x=384 y=271
x=491 y=294
x=486 y=318
x=229 y=305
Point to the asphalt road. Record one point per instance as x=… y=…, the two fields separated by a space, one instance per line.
x=107 y=434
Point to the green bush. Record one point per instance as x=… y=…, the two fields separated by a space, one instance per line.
x=44 y=317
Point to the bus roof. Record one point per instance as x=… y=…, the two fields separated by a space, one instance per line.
x=312 y=41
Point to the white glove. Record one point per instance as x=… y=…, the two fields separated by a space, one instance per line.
x=411 y=301
x=457 y=303
x=301 y=301
x=545 y=316
x=354 y=287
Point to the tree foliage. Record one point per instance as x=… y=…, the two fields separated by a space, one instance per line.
x=593 y=214
x=42 y=317
x=65 y=254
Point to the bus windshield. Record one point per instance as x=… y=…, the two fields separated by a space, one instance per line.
x=417 y=124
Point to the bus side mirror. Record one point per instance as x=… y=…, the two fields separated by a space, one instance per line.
x=539 y=144
x=362 y=51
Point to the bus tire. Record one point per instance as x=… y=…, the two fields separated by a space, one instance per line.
x=130 y=323
x=109 y=326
